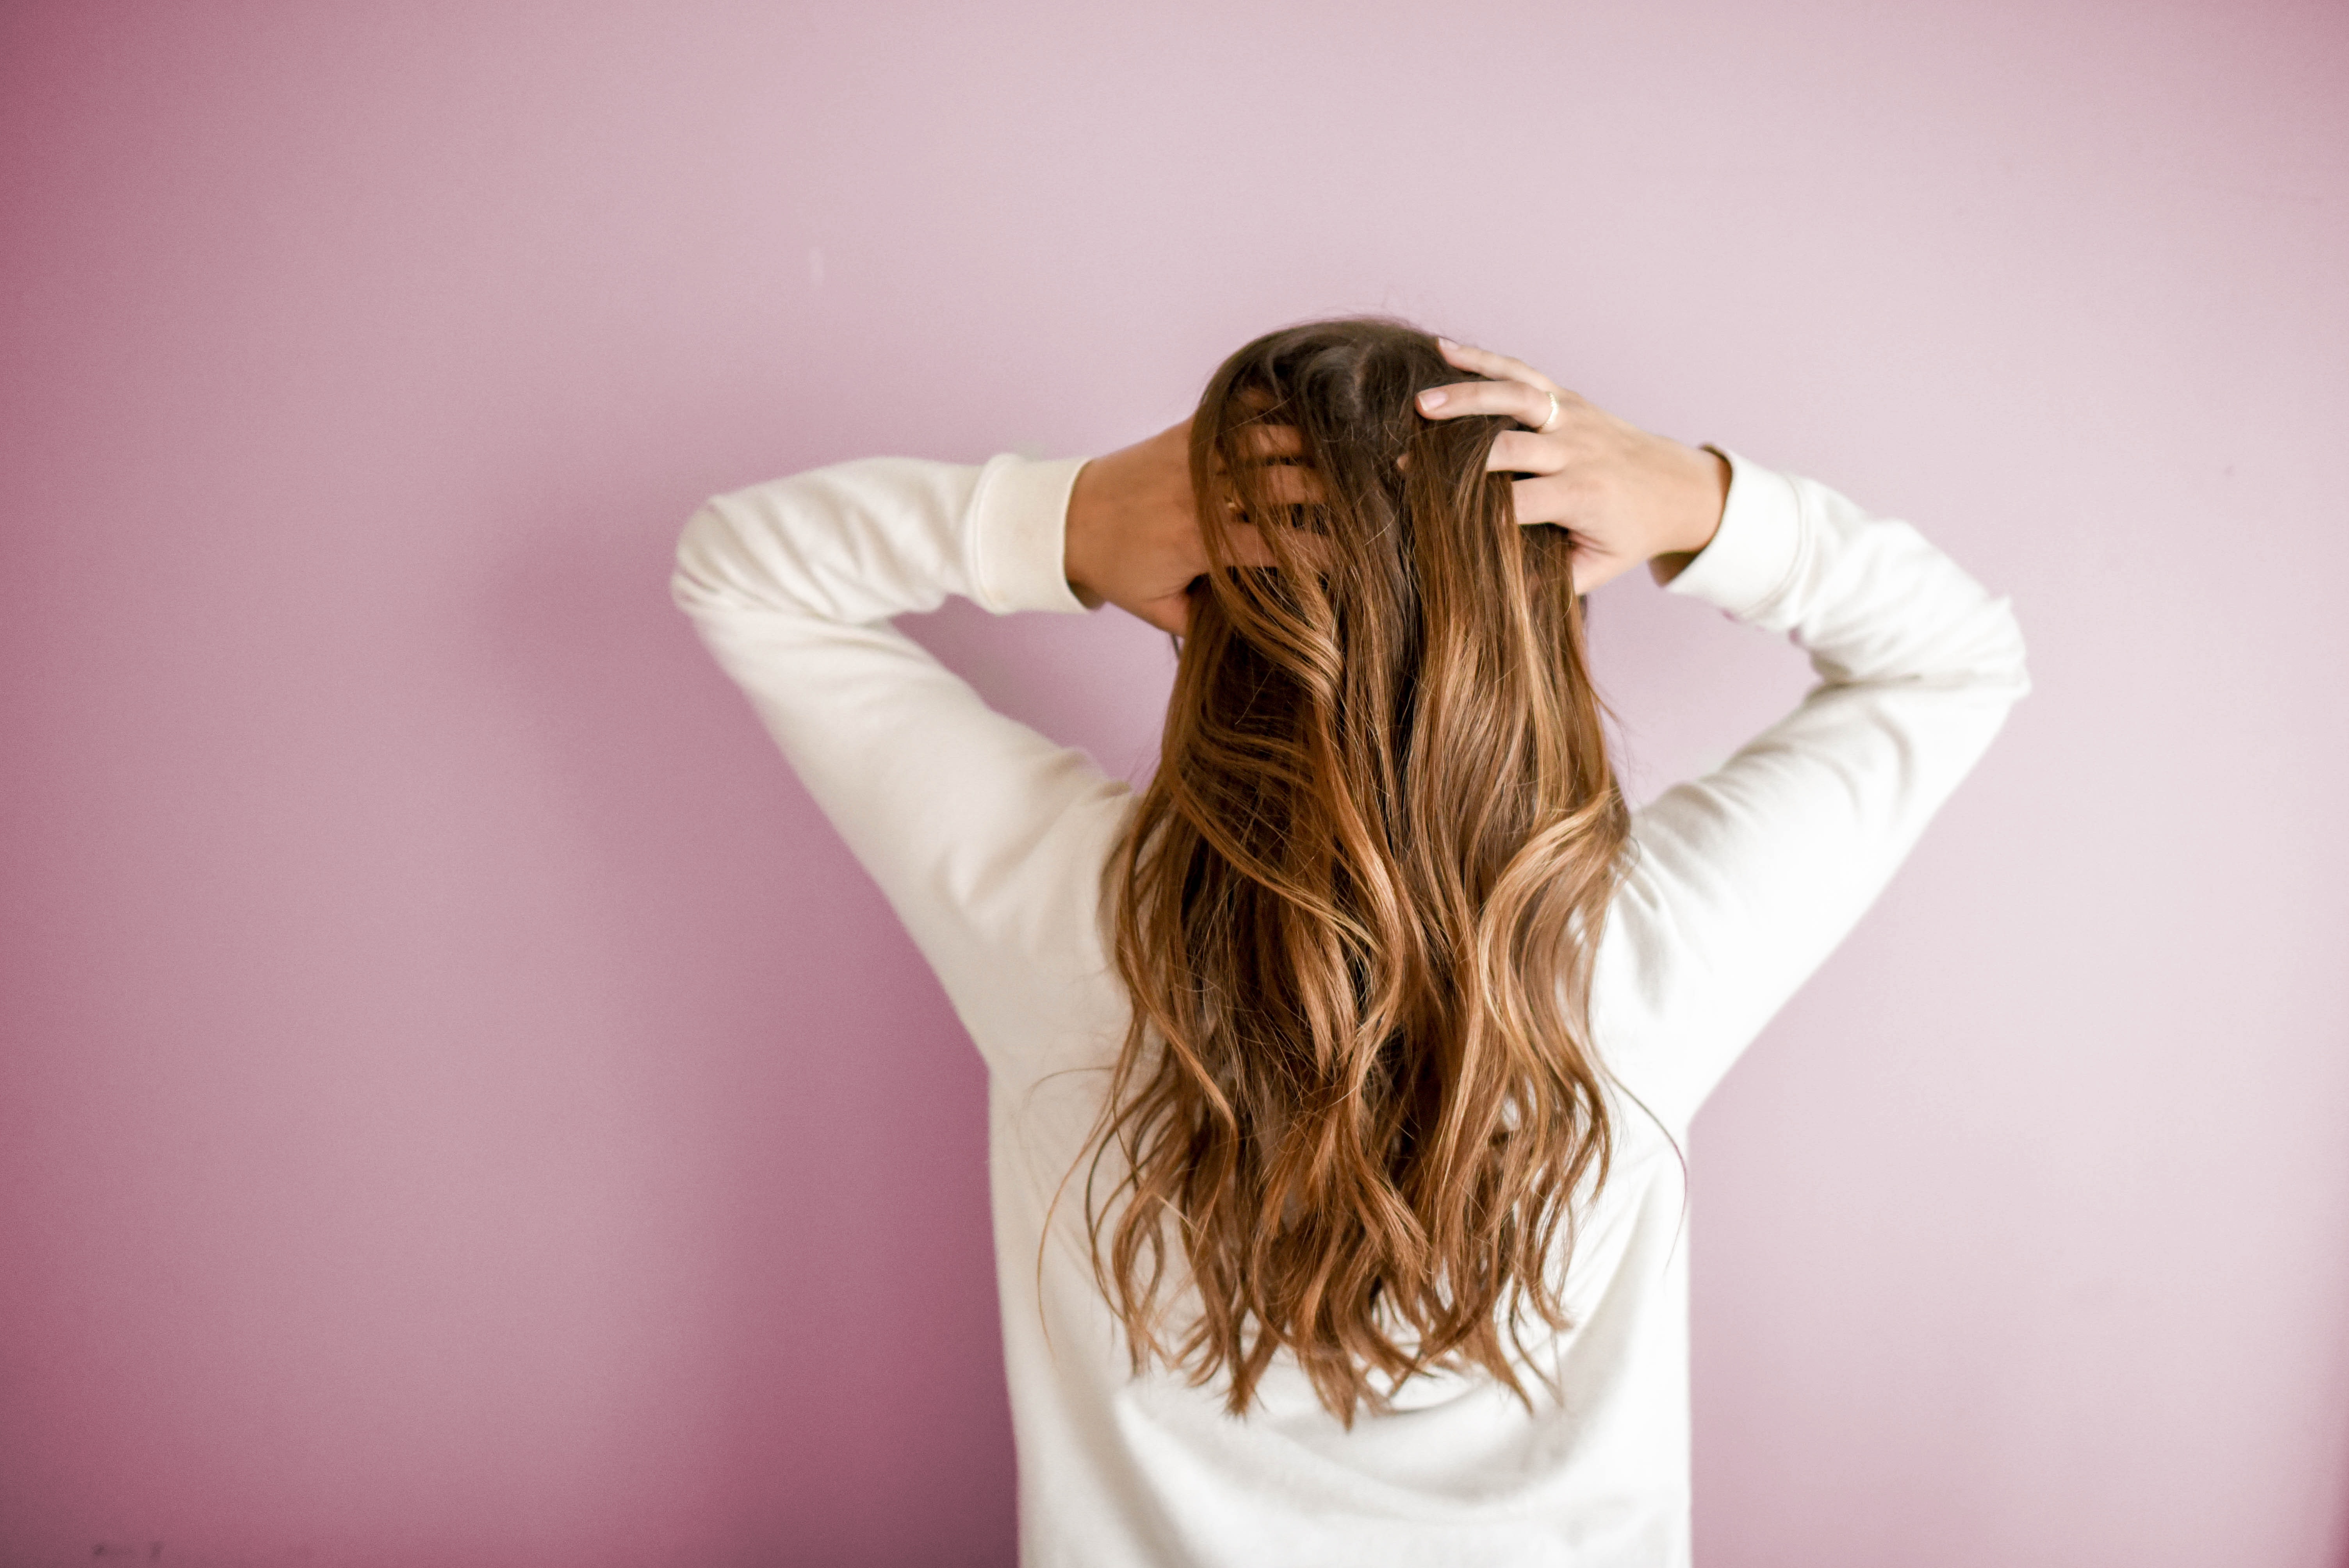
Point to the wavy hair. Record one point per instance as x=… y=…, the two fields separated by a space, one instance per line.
x=1357 y=904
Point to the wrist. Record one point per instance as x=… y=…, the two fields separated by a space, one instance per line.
x=1077 y=533
x=1702 y=499
x=1707 y=499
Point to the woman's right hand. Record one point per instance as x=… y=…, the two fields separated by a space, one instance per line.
x=1623 y=495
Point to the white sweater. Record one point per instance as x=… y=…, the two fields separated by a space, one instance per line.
x=989 y=840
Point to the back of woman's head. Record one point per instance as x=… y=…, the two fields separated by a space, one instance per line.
x=1357 y=904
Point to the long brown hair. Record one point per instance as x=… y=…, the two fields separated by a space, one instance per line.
x=1357 y=904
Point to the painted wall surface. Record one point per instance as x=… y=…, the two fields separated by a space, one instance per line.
x=459 y=1105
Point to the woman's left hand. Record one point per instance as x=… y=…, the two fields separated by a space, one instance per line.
x=1132 y=536
x=1623 y=495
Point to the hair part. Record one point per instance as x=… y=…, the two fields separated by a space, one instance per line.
x=1356 y=905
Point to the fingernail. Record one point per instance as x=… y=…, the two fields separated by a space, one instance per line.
x=1432 y=398
x=1447 y=343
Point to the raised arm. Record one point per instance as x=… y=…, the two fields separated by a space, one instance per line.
x=1741 y=883
x=984 y=835
x=1747 y=878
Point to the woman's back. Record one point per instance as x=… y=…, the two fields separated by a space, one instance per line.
x=1001 y=852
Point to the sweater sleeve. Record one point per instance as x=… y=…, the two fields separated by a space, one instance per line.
x=1741 y=883
x=986 y=838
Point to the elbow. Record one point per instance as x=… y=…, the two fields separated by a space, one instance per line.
x=2017 y=660
x=1979 y=654
x=2000 y=662
x=699 y=573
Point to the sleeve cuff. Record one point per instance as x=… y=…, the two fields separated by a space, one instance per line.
x=1752 y=558
x=1018 y=526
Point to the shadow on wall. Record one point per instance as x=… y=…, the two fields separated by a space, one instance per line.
x=806 y=1116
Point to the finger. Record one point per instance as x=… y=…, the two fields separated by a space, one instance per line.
x=1273 y=458
x=1587 y=573
x=1499 y=367
x=1275 y=452
x=1526 y=452
x=1245 y=543
x=1542 y=501
x=1290 y=487
x=1592 y=570
x=1545 y=503
x=1527 y=404
x=1269 y=441
x=1287 y=484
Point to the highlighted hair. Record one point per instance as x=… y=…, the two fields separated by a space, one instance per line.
x=1357 y=904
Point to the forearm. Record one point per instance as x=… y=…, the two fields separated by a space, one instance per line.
x=1868 y=598
x=859 y=542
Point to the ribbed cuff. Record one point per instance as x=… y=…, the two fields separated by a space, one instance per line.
x=1019 y=529
x=1752 y=558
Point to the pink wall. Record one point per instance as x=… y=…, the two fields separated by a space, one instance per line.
x=458 y=1106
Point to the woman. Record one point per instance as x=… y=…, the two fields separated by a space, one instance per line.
x=1339 y=1079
